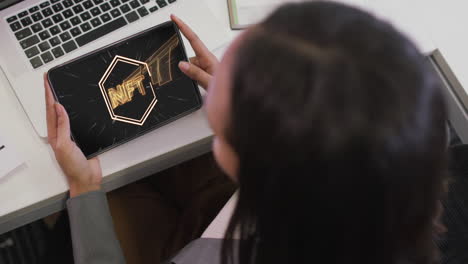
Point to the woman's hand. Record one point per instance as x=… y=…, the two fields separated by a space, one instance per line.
x=83 y=175
x=202 y=66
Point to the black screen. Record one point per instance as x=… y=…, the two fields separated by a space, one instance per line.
x=125 y=90
x=6 y=3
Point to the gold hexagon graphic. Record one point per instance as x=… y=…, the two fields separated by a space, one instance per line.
x=124 y=92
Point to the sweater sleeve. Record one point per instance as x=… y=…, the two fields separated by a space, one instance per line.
x=93 y=236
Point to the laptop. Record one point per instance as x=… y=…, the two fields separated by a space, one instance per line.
x=40 y=34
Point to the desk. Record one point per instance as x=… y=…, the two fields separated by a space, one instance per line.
x=38 y=188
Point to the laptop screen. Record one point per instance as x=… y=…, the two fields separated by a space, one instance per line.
x=6 y=3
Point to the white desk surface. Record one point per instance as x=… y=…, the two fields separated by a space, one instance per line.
x=38 y=187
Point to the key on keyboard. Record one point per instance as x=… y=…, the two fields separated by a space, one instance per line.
x=69 y=46
x=15 y=26
x=96 y=22
x=47 y=22
x=132 y=17
x=105 y=7
x=11 y=19
x=67 y=13
x=161 y=3
x=44 y=46
x=142 y=11
x=65 y=25
x=23 y=14
x=125 y=8
x=36 y=62
x=31 y=52
x=75 y=32
x=57 y=7
x=44 y=4
x=47 y=12
x=95 y=11
x=114 y=3
x=85 y=27
x=65 y=36
x=46 y=57
x=88 y=4
x=54 y=41
x=57 y=18
x=85 y=16
x=67 y=3
x=33 y=9
x=23 y=33
x=134 y=4
x=78 y=9
x=29 y=42
x=44 y=35
x=106 y=17
x=26 y=21
x=58 y=52
x=115 y=13
x=36 y=27
x=37 y=16
x=100 y=31
x=54 y=30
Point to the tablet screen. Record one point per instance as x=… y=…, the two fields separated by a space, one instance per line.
x=124 y=90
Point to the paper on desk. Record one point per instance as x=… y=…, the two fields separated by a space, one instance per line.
x=9 y=157
x=248 y=12
x=207 y=26
x=251 y=12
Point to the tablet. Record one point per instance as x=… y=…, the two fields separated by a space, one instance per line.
x=126 y=89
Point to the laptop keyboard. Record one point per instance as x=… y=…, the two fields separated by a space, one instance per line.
x=52 y=28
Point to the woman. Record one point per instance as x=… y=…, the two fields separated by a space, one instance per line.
x=332 y=125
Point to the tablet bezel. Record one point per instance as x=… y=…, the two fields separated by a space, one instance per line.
x=85 y=56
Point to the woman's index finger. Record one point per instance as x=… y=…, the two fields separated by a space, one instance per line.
x=197 y=45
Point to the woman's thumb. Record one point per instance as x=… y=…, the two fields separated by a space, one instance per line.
x=63 y=125
x=195 y=73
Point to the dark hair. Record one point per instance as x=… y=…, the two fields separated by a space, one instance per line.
x=339 y=125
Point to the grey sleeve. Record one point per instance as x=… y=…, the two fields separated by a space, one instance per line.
x=92 y=230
